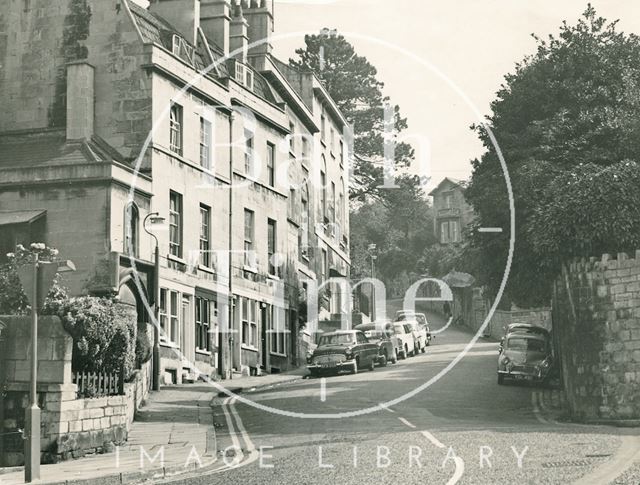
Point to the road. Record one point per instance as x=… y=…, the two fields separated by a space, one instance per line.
x=464 y=428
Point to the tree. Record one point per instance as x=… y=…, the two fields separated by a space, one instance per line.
x=352 y=82
x=575 y=101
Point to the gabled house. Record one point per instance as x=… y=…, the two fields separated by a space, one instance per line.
x=452 y=213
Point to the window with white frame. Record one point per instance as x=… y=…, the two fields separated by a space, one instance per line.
x=271 y=164
x=271 y=245
x=175 y=224
x=324 y=265
x=205 y=236
x=292 y=137
x=203 y=322
x=249 y=153
x=175 y=129
x=249 y=231
x=277 y=330
x=332 y=206
x=323 y=190
x=303 y=235
x=169 y=320
x=323 y=126
x=449 y=232
x=249 y=323
x=205 y=143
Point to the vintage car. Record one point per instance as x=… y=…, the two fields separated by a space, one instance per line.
x=525 y=356
x=405 y=340
x=421 y=318
x=419 y=335
x=383 y=334
x=343 y=350
x=525 y=328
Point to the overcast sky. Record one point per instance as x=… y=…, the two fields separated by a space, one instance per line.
x=473 y=43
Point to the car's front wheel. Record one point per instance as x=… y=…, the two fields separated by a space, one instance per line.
x=383 y=360
x=356 y=364
x=394 y=359
x=500 y=379
x=372 y=365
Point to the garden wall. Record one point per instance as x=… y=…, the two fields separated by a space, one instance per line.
x=70 y=427
x=596 y=314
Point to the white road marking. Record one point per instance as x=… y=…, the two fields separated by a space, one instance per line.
x=323 y=389
x=386 y=408
x=407 y=423
x=536 y=408
x=627 y=455
x=433 y=439
x=459 y=471
x=490 y=229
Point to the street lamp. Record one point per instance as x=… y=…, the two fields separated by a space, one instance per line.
x=372 y=252
x=36 y=280
x=155 y=218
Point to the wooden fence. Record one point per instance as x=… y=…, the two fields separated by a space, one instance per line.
x=97 y=384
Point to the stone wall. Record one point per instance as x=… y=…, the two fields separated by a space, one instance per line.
x=70 y=427
x=596 y=314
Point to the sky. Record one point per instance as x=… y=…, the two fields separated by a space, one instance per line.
x=441 y=61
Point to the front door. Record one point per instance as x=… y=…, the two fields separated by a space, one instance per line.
x=187 y=342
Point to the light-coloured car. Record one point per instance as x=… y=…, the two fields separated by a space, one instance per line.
x=405 y=340
x=419 y=335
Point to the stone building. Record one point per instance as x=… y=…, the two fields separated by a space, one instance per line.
x=452 y=213
x=114 y=112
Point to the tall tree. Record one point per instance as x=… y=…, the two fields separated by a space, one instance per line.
x=575 y=101
x=352 y=82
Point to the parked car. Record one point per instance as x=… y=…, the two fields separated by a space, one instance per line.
x=343 y=350
x=405 y=340
x=525 y=356
x=526 y=328
x=383 y=334
x=419 y=335
x=421 y=318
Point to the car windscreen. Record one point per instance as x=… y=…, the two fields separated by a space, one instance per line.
x=337 y=339
x=399 y=328
x=525 y=344
x=374 y=334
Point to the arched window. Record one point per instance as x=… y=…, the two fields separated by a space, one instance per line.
x=131 y=229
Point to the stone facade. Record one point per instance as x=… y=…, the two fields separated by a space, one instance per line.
x=83 y=166
x=596 y=313
x=71 y=427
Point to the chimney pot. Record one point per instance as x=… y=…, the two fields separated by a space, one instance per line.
x=184 y=15
x=215 y=19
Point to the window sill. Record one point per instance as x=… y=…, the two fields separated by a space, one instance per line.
x=250 y=269
x=250 y=348
x=203 y=352
x=278 y=354
x=273 y=277
x=206 y=269
x=176 y=259
x=169 y=345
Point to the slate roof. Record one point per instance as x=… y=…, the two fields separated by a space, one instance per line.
x=19 y=216
x=35 y=149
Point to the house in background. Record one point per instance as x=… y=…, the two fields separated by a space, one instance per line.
x=452 y=213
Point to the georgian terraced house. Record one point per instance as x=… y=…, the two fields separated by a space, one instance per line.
x=113 y=112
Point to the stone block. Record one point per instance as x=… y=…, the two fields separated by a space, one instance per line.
x=75 y=426
x=99 y=402
x=97 y=423
x=116 y=400
x=87 y=424
x=105 y=423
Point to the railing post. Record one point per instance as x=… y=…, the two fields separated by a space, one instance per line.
x=121 y=381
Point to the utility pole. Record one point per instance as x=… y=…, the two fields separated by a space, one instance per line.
x=155 y=219
x=36 y=279
x=372 y=252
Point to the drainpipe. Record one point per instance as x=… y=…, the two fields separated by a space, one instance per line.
x=227 y=341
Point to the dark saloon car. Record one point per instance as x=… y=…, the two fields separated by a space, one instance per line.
x=343 y=350
x=382 y=334
x=525 y=356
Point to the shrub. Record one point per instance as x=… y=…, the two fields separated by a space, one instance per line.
x=104 y=334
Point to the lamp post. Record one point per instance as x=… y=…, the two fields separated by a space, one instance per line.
x=36 y=279
x=155 y=219
x=372 y=251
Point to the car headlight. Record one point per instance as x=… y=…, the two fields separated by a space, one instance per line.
x=349 y=354
x=504 y=360
x=545 y=364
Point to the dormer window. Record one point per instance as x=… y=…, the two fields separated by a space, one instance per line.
x=180 y=48
x=244 y=75
x=175 y=47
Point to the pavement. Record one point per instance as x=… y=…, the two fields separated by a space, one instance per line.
x=173 y=434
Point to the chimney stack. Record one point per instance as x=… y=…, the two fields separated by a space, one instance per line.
x=80 y=100
x=260 y=18
x=183 y=15
x=239 y=38
x=215 y=20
